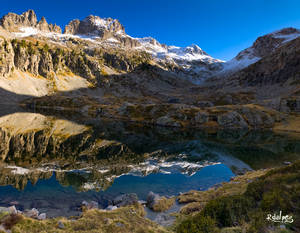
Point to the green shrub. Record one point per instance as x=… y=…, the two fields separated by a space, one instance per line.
x=201 y=224
x=229 y=211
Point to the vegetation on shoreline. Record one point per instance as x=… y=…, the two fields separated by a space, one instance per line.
x=277 y=190
x=125 y=219
x=240 y=205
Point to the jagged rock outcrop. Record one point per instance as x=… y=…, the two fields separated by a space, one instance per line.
x=6 y=58
x=265 y=45
x=94 y=25
x=47 y=61
x=13 y=22
x=43 y=26
x=277 y=68
x=103 y=29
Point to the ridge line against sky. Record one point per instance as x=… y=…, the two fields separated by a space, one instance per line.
x=222 y=28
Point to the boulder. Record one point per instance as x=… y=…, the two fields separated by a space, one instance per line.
x=159 y=203
x=152 y=199
x=33 y=213
x=90 y=205
x=167 y=121
x=111 y=207
x=205 y=104
x=174 y=101
x=232 y=120
x=13 y=209
x=125 y=200
x=201 y=117
x=257 y=118
x=61 y=225
x=8 y=210
x=42 y=216
x=164 y=219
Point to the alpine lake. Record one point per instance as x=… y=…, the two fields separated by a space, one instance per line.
x=54 y=163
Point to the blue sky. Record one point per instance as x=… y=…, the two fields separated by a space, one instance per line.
x=221 y=27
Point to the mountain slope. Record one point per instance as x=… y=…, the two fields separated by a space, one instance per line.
x=191 y=62
x=96 y=68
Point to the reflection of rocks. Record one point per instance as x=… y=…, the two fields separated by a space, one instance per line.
x=91 y=158
x=20 y=181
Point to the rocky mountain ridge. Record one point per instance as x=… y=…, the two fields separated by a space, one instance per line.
x=13 y=22
x=190 y=63
x=143 y=80
x=110 y=33
x=262 y=46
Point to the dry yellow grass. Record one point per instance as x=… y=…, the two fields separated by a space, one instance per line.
x=292 y=124
x=164 y=204
x=123 y=220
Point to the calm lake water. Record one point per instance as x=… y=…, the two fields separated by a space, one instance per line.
x=54 y=163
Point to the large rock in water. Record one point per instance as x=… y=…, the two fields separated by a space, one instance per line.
x=125 y=200
x=152 y=199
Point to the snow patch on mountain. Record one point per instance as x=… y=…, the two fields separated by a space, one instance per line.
x=27 y=31
x=286 y=37
x=245 y=59
x=189 y=53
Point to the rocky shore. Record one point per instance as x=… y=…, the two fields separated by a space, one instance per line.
x=9 y=216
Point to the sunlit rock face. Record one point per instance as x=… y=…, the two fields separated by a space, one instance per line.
x=13 y=22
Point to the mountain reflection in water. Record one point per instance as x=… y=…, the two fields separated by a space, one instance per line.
x=54 y=164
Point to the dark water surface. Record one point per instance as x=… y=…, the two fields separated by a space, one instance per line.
x=53 y=164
